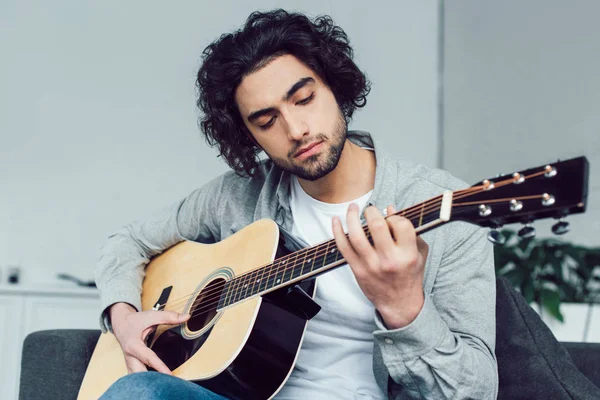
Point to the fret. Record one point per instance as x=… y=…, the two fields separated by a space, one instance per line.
x=320 y=255
x=421 y=217
x=305 y=260
x=333 y=255
x=288 y=272
x=326 y=254
x=293 y=270
x=223 y=300
x=293 y=265
x=239 y=289
x=251 y=283
x=277 y=278
x=424 y=219
x=296 y=271
x=264 y=277
x=279 y=273
x=234 y=290
x=239 y=295
x=275 y=273
x=259 y=279
x=244 y=286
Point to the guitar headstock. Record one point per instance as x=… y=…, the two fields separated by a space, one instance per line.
x=549 y=191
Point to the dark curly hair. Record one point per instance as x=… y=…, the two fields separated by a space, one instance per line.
x=320 y=44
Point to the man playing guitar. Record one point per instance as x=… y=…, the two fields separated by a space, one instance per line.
x=408 y=316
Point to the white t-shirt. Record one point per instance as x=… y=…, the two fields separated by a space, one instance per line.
x=336 y=358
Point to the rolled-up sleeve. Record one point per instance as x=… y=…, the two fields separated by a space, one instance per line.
x=447 y=352
x=120 y=269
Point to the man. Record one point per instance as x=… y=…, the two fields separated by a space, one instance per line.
x=405 y=319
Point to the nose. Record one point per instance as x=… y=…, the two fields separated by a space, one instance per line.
x=296 y=128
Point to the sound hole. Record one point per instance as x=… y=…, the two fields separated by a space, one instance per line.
x=204 y=308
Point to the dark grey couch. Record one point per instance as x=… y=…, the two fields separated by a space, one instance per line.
x=531 y=363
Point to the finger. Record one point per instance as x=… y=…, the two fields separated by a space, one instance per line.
x=403 y=231
x=148 y=357
x=166 y=318
x=357 y=236
x=391 y=210
x=134 y=365
x=380 y=231
x=423 y=247
x=342 y=242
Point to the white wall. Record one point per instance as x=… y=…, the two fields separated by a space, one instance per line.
x=97 y=114
x=521 y=89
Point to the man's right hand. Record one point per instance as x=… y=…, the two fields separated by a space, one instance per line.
x=131 y=329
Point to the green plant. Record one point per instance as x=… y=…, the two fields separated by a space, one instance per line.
x=550 y=271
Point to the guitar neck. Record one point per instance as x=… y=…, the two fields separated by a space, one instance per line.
x=323 y=257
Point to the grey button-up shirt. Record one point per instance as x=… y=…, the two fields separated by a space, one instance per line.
x=447 y=352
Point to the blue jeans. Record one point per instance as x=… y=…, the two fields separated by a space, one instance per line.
x=154 y=386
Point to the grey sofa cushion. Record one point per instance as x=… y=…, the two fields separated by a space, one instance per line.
x=532 y=364
x=587 y=358
x=54 y=363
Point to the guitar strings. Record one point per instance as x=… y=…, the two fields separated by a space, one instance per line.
x=213 y=306
x=284 y=263
x=414 y=211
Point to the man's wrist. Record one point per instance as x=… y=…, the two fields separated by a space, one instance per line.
x=403 y=312
x=119 y=309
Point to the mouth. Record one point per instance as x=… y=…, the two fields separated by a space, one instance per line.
x=308 y=150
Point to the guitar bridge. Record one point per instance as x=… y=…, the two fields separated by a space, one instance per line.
x=162 y=300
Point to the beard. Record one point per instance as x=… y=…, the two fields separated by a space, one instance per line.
x=317 y=165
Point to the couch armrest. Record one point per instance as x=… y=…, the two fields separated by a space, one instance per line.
x=586 y=357
x=54 y=362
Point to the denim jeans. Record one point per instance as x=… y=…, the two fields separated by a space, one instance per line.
x=154 y=386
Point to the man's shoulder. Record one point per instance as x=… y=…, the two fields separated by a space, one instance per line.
x=408 y=175
x=419 y=178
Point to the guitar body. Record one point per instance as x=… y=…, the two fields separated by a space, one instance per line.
x=245 y=351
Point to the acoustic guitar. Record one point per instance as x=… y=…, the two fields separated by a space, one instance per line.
x=250 y=295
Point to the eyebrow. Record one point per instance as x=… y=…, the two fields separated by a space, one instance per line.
x=297 y=86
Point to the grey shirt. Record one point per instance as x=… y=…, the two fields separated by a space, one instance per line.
x=446 y=352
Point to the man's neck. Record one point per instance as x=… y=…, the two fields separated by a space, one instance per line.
x=353 y=177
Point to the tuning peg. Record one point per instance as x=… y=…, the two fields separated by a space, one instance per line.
x=561 y=227
x=527 y=232
x=496 y=237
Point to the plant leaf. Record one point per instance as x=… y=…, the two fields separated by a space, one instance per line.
x=550 y=300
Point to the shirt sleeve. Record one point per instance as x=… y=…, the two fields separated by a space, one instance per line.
x=447 y=352
x=121 y=267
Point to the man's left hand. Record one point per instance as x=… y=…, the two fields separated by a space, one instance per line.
x=389 y=272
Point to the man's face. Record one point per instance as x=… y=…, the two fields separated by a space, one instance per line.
x=293 y=116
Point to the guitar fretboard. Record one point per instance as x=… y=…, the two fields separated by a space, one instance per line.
x=309 y=261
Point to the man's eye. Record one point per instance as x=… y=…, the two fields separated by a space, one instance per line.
x=306 y=100
x=268 y=124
